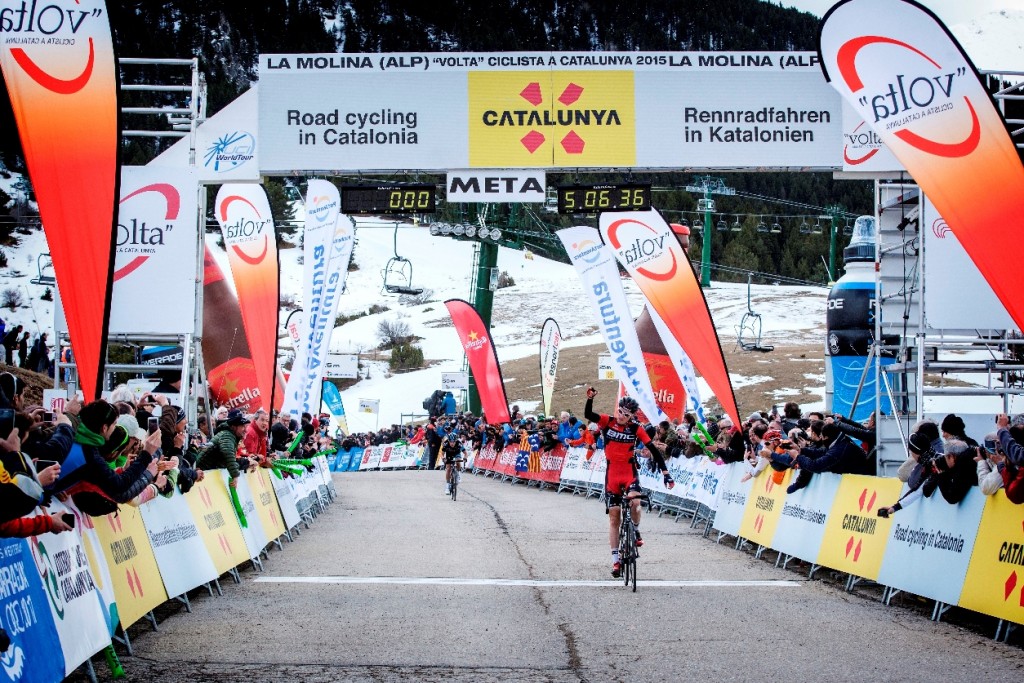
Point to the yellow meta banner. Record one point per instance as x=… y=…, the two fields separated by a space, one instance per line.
x=764 y=507
x=543 y=118
x=855 y=536
x=134 y=574
x=210 y=505
x=266 y=502
x=995 y=577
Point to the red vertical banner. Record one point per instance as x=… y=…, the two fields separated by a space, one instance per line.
x=910 y=80
x=244 y=216
x=59 y=66
x=483 y=359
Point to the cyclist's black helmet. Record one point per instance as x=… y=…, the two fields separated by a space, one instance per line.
x=629 y=403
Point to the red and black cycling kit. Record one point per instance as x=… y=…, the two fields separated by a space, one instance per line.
x=619 y=440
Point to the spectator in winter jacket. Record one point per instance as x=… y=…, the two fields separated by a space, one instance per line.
x=10 y=342
x=953 y=473
x=23 y=350
x=837 y=454
x=220 y=454
x=280 y=436
x=449 y=403
x=255 y=439
x=86 y=464
x=990 y=477
x=568 y=428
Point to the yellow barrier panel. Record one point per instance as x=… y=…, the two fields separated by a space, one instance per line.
x=266 y=502
x=764 y=507
x=138 y=587
x=855 y=536
x=210 y=504
x=995 y=577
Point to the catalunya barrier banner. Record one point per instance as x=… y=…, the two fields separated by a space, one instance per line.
x=63 y=595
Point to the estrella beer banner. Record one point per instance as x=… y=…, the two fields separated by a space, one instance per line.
x=550 y=340
x=251 y=241
x=156 y=244
x=138 y=587
x=995 y=576
x=322 y=206
x=912 y=83
x=855 y=536
x=647 y=248
x=482 y=357
x=59 y=67
x=596 y=267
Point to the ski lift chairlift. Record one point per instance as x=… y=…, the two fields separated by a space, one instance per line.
x=761 y=227
x=398 y=273
x=748 y=336
x=805 y=228
x=46 y=276
x=776 y=227
x=736 y=226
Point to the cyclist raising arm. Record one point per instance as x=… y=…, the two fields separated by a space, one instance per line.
x=622 y=478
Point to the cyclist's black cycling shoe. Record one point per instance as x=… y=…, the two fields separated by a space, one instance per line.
x=639 y=541
x=617 y=569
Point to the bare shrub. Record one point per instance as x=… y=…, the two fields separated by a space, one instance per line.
x=392 y=333
x=11 y=298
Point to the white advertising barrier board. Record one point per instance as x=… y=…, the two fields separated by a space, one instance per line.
x=255 y=537
x=510 y=110
x=225 y=144
x=156 y=243
x=180 y=552
x=705 y=485
x=595 y=469
x=926 y=536
x=572 y=467
x=733 y=500
x=284 y=489
x=801 y=527
x=390 y=455
x=965 y=301
x=407 y=457
x=324 y=468
x=371 y=458
x=470 y=456
x=73 y=598
x=86 y=527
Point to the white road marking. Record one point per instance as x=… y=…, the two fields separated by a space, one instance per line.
x=429 y=581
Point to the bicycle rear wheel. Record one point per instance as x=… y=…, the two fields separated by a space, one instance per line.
x=631 y=554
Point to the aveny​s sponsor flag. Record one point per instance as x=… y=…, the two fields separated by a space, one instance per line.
x=156 y=243
x=912 y=83
x=59 y=67
x=251 y=241
x=596 y=267
x=322 y=206
x=483 y=359
x=550 y=340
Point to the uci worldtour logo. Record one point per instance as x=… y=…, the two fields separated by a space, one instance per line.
x=136 y=237
x=909 y=99
x=245 y=230
x=230 y=151
x=644 y=250
x=860 y=145
x=49 y=25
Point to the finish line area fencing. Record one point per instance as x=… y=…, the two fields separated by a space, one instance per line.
x=968 y=555
x=66 y=597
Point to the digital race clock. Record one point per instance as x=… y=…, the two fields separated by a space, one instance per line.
x=388 y=199
x=595 y=198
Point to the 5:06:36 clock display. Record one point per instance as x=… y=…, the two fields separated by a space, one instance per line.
x=595 y=198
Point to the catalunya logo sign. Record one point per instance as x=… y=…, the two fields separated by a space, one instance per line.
x=57 y=24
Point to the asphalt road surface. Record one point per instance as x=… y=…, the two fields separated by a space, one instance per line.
x=397 y=582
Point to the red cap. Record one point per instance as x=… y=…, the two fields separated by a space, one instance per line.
x=679 y=229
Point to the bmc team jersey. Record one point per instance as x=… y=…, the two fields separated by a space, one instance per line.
x=619 y=441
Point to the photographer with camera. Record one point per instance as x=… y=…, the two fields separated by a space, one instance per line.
x=952 y=471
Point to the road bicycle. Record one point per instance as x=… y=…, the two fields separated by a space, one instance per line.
x=628 y=551
x=456 y=477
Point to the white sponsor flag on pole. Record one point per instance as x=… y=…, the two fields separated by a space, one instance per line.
x=550 y=340
x=322 y=206
x=596 y=267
